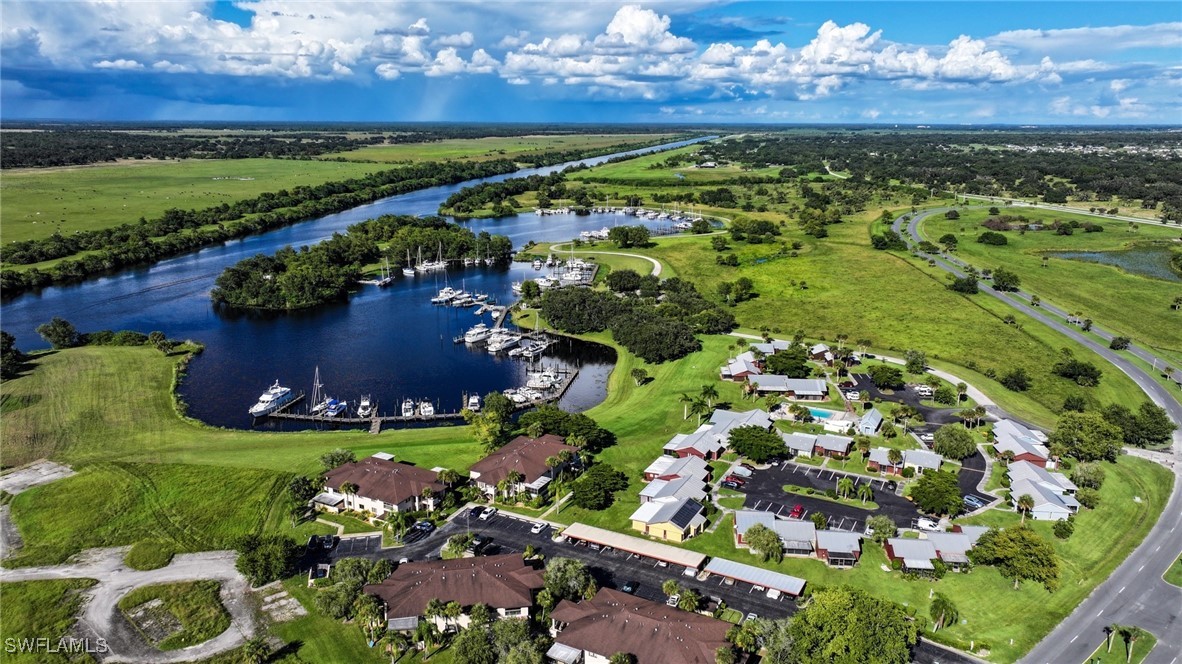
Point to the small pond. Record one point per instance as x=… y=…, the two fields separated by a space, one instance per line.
x=1148 y=261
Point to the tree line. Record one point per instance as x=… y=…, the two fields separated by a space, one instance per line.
x=658 y=322
x=297 y=279
x=181 y=231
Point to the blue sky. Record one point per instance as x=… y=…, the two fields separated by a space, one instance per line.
x=593 y=61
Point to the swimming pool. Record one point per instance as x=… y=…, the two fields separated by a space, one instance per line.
x=821 y=413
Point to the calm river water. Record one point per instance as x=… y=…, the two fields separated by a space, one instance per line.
x=389 y=343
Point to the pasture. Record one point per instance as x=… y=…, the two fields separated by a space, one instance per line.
x=493 y=147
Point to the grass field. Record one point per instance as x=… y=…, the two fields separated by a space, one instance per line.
x=34 y=609
x=148 y=554
x=195 y=605
x=493 y=147
x=1174 y=573
x=641 y=169
x=844 y=294
x=39 y=202
x=1120 y=653
x=1142 y=312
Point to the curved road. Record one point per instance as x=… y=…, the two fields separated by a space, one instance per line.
x=1135 y=593
x=656 y=263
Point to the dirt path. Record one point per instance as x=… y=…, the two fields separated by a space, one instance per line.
x=101 y=617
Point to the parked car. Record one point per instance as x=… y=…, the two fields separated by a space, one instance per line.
x=892 y=485
x=538 y=527
x=927 y=524
x=328 y=541
x=797 y=511
x=751 y=616
x=475 y=512
x=927 y=437
x=403 y=560
x=672 y=601
x=853 y=395
x=735 y=478
x=973 y=502
x=630 y=587
x=734 y=486
x=740 y=471
x=487 y=513
x=747 y=466
x=425 y=526
x=479 y=543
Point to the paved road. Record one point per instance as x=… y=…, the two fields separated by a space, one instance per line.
x=1135 y=593
x=101 y=617
x=655 y=263
x=1017 y=204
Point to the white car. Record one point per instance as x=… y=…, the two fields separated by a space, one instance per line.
x=487 y=513
x=927 y=524
x=538 y=527
x=853 y=395
x=672 y=601
x=927 y=437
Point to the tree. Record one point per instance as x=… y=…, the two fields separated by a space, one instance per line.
x=267 y=558
x=623 y=281
x=523 y=653
x=792 y=362
x=1005 y=280
x=349 y=489
x=567 y=578
x=685 y=400
x=916 y=361
x=473 y=646
x=60 y=333
x=596 y=489
x=937 y=492
x=1019 y=554
x=966 y=284
x=1089 y=475
x=895 y=456
x=945 y=395
x=845 y=486
x=942 y=611
x=337 y=458
x=160 y=342
x=530 y=290
x=1016 y=380
x=1109 y=632
x=396 y=644
x=865 y=492
x=639 y=375
x=882 y=526
x=725 y=655
x=954 y=441
x=621 y=658
x=1075 y=402
x=1024 y=503
x=1150 y=425
x=368 y=613
x=700 y=408
x=765 y=542
x=755 y=443
x=718 y=243
x=670 y=587
x=819 y=520
x=845 y=624
x=1131 y=634
x=689 y=600
x=886 y=378
x=1086 y=436
x=10 y=356
x=709 y=393
x=1119 y=343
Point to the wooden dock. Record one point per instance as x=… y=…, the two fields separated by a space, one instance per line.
x=376 y=422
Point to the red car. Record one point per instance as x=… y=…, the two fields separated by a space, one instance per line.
x=735 y=478
x=797 y=512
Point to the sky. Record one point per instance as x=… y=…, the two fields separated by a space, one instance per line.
x=693 y=61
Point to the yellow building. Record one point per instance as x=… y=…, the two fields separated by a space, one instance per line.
x=674 y=520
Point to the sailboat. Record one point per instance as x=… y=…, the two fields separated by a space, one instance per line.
x=319 y=399
x=387 y=276
x=408 y=270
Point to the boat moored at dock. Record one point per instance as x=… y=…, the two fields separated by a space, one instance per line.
x=272 y=400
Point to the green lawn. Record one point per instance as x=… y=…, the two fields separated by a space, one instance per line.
x=318 y=638
x=149 y=554
x=39 y=609
x=352 y=525
x=1142 y=311
x=1120 y=651
x=1174 y=573
x=39 y=202
x=492 y=147
x=195 y=605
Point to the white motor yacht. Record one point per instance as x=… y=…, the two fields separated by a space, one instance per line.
x=272 y=400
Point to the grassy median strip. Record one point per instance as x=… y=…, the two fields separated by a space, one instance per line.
x=821 y=495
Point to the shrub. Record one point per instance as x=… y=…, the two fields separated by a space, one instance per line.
x=1089 y=498
x=990 y=237
x=908 y=472
x=1016 y=380
x=1064 y=529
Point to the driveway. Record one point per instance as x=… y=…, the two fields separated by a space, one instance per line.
x=972 y=473
x=933 y=416
x=101 y=618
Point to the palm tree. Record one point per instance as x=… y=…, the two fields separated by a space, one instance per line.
x=1132 y=634
x=1025 y=504
x=449 y=477
x=894 y=456
x=398 y=522
x=350 y=489
x=845 y=486
x=772 y=401
x=709 y=393
x=685 y=400
x=1109 y=632
x=699 y=408
x=689 y=600
x=427 y=495
x=396 y=644
x=452 y=611
x=434 y=608
x=535 y=430
x=743 y=637
x=943 y=612
x=961 y=390
x=865 y=492
x=670 y=588
x=841 y=339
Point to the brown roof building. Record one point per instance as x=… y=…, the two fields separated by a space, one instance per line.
x=652 y=632
x=524 y=455
x=505 y=583
x=383 y=485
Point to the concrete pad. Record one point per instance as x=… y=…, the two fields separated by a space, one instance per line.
x=35 y=474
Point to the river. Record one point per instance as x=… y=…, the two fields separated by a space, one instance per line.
x=388 y=343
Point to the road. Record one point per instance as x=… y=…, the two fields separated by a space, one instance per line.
x=101 y=617
x=1135 y=593
x=511 y=533
x=1059 y=208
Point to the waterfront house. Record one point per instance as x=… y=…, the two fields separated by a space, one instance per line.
x=525 y=456
x=382 y=485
